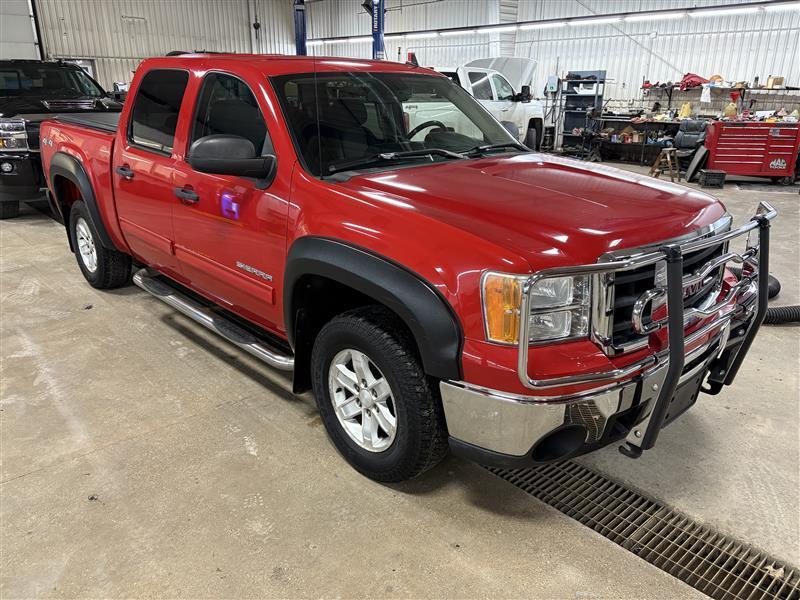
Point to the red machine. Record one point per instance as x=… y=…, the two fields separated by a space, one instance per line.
x=754 y=149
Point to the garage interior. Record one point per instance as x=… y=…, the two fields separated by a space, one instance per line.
x=143 y=456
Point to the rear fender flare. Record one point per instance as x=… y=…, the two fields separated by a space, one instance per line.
x=69 y=167
x=421 y=307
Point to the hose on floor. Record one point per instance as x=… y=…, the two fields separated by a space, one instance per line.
x=778 y=315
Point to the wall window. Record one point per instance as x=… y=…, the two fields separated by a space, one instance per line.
x=481 y=88
x=155 y=109
x=227 y=106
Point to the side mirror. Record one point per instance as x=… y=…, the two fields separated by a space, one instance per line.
x=511 y=128
x=223 y=154
x=525 y=94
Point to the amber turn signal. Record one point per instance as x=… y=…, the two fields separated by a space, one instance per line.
x=502 y=295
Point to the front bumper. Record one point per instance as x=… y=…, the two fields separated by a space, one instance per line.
x=632 y=403
x=25 y=181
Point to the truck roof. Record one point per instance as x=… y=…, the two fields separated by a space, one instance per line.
x=283 y=63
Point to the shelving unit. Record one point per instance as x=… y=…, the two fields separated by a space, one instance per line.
x=582 y=91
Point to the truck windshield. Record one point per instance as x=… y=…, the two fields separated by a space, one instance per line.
x=338 y=118
x=49 y=81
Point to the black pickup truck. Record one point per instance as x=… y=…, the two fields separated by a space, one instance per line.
x=30 y=92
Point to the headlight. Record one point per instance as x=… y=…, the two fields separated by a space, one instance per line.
x=13 y=135
x=559 y=308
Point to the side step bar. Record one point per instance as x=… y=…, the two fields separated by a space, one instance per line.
x=218 y=324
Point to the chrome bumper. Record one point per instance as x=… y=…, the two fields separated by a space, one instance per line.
x=511 y=425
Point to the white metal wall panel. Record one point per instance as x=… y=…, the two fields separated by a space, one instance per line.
x=17 y=37
x=738 y=47
x=334 y=18
x=276 y=34
x=118 y=34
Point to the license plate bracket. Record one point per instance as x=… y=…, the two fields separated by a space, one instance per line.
x=684 y=398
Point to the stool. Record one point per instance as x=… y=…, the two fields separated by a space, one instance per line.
x=667 y=160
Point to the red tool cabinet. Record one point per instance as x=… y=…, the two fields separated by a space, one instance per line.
x=753 y=149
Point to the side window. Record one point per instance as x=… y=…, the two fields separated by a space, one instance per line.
x=481 y=88
x=156 y=108
x=227 y=106
x=502 y=87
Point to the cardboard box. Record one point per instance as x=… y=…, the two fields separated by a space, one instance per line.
x=774 y=81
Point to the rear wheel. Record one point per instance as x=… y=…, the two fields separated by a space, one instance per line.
x=381 y=411
x=103 y=268
x=9 y=209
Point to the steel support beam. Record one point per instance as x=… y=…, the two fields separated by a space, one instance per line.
x=300 y=27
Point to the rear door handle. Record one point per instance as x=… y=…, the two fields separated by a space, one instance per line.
x=124 y=172
x=187 y=196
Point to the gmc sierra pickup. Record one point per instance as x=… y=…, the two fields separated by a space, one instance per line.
x=434 y=287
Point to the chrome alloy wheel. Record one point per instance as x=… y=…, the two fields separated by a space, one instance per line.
x=86 y=245
x=362 y=400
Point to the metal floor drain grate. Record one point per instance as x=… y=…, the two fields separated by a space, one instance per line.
x=708 y=561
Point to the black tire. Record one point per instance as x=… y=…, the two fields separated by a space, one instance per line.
x=9 y=209
x=534 y=135
x=421 y=437
x=113 y=268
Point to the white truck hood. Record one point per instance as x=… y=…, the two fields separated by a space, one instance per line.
x=518 y=71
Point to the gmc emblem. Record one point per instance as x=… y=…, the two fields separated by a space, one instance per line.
x=692 y=289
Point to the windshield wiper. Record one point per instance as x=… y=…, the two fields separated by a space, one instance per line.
x=368 y=161
x=479 y=150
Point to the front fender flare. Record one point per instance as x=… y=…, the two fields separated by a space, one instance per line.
x=422 y=308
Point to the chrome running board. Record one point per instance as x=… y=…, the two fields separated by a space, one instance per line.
x=218 y=324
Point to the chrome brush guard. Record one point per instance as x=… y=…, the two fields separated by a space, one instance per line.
x=668 y=363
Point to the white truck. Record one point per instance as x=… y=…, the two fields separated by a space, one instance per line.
x=502 y=85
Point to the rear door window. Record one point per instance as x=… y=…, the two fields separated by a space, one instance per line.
x=156 y=108
x=481 y=88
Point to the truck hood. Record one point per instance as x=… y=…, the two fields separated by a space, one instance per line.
x=37 y=108
x=519 y=71
x=550 y=211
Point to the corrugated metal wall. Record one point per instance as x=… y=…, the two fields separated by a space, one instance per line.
x=333 y=18
x=737 y=47
x=118 y=34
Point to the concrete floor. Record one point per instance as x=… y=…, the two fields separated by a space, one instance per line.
x=142 y=456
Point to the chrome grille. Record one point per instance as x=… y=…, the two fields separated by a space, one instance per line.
x=707 y=560
x=629 y=285
x=69 y=104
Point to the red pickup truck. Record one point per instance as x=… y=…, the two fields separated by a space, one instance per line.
x=435 y=286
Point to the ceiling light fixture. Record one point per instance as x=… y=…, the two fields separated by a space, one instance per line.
x=598 y=21
x=551 y=25
x=497 y=29
x=782 y=6
x=722 y=12
x=419 y=36
x=460 y=32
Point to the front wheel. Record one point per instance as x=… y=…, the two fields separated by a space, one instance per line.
x=103 y=268
x=381 y=411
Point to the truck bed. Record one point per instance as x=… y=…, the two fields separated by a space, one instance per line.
x=102 y=121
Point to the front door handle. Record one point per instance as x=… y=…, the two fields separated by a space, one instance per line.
x=125 y=172
x=187 y=196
